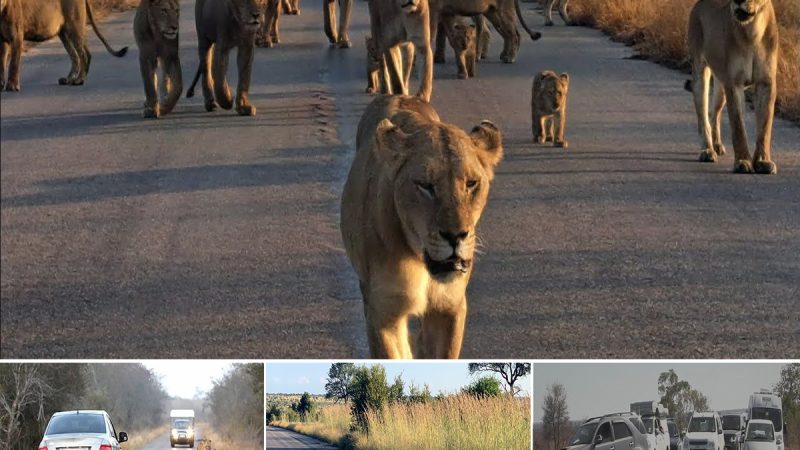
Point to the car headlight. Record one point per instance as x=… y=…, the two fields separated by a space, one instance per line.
x=711 y=444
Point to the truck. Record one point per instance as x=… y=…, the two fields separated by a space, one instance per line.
x=654 y=416
x=765 y=405
x=181 y=427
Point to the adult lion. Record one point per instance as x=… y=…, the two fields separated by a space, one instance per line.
x=155 y=28
x=736 y=42
x=503 y=14
x=221 y=26
x=410 y=206
x=40 y=20
x=337 y=36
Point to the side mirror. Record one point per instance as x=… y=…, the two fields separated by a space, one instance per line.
x=598 y=439
x=779 y=441
x=123 y=437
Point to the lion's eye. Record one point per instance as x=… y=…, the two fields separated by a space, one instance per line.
x=471 y=184
x=426 y=188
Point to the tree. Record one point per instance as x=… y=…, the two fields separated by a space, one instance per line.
x=396 y=390
x=340 y=375
x=369 y=392
x=236 y=410
x=679 y=398
x=304 y=407
x=417 y=395
x=788 y=388
x=484 y=387
x=510 y=372
x=273 y=413
x=22 y=386
x=554 y=414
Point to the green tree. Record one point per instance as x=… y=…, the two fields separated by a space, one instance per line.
x=236 y=409
x=484 y=387
x=396 y=390
x=337 y=386
x=680 y=398
x=788 y=388
x=273 y=413
x=369 y=392
x=555 y=415
x=420 y=395
x=509 y=372
x=304 y=407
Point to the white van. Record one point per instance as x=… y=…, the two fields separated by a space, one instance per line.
x=765 y=405
x=181 y=427
x=654 y=417
x=704 y=432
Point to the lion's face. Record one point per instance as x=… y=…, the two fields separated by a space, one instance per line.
x=165 y=16
x=441 y=183
x=465 y=37
x=248 y=13
x=554 y=89
x=745 y=10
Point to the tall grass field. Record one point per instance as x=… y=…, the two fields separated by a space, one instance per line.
x=658 y=30
x=460 y=422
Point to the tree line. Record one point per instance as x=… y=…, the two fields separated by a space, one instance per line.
x=236 y=403
x=679 y=398
x=30 y=393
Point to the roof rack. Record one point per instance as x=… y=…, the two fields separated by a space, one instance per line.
x=628 y=413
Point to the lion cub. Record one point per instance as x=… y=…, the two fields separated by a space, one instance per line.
x=464 y=40
x=549 y=107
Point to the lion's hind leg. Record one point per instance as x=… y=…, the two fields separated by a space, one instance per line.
x=75 y=58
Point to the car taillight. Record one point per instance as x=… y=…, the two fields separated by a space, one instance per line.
x=45 y=448
x=105 y=447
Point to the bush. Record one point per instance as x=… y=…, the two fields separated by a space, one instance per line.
x=484 y=387
x=369 y=391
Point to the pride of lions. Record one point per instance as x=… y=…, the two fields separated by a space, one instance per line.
x=417 y=186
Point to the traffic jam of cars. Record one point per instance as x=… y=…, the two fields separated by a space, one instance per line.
x=648 y=426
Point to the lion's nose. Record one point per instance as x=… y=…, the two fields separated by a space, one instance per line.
x=454 y=238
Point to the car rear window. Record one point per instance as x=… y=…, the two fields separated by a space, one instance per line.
x=621 y=430
x=76 y=423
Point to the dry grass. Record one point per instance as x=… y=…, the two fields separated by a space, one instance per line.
x=141 y=438
x=218 y=442
x=457 y=423
x=105 y=7
x=657 y=29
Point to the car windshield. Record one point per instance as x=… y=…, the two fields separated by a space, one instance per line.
x=760 y=432
x=637 y=422
x=181 y=424
x=771 y=414
x=584 y=434
x=702 y=425
x=673 y=429
x=76 y=423
x=731 y=422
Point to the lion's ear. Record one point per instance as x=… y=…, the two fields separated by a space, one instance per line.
x=389 y=144
x=489 y=140
x=564 y=77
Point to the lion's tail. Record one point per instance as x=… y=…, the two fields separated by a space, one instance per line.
x=190 y=91
x=118 y=53
x=535 y=35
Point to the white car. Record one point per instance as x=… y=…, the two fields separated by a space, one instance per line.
x=657 y=432
x=704 y=432
x=84 y=429
x=760 y=435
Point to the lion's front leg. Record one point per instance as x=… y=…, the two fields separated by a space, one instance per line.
x=742 y=163
x=329 y=13
x=442 y=333
x=219 y=70
x=345 y=9
x=4 y=51
x=765 y=110
x=426 y=87
x=174 y=77
x=560 y=120
x=387 y=335
x=244 y=60
x=148 y=65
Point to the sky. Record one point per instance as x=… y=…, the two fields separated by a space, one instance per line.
x=598 y=388
x=184 y=379
x=441 y=376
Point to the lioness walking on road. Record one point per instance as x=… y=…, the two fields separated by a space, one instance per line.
x=737 y=43
x=221 y=26
x=155 y=28
x=410 y=206
x=40 y=20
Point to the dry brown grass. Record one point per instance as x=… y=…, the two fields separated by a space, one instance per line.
x=105 y=7
x=141 y=438
x=218 y=442
x=657 y=29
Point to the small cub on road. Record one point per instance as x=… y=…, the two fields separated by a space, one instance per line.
x=549 y=108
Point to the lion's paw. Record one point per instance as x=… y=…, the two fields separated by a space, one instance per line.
x=246 y=110
x=742 y=166
x=151 y=113
x=708 y=155
x=210 y=105
x=765 y=167
x=720 y=149
x=561 y=144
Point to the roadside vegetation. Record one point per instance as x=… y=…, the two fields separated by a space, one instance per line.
x=30 y=393
x=236 y=408
x=658 y=30
x=364 y=411
x=105 y=7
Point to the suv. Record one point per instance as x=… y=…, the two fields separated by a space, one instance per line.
x=704 y=432
x=656 y=427
x=760 y=435
x=733 y=427
x=85 y=429
x=610 y=432
x=675 y=440
x=182 y=433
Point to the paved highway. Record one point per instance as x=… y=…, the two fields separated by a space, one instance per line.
x=211 y=235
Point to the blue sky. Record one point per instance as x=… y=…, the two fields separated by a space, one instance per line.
x=441 y=376
x=598 y=388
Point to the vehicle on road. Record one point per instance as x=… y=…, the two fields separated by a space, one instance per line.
x=83 y=429
x=765 y=405
x=733 y=424
x=675 y=439
x=704 y=432
x=654 y=417
x=759 y=435
x=609 y=432
x=181 y=427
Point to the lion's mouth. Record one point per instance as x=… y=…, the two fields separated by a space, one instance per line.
x=447 y=266
x=743 y=15
x=409 y=5
x=170 y=34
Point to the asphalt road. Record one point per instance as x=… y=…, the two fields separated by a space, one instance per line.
x=162 y=442
x=210 y=235
x=282 y=439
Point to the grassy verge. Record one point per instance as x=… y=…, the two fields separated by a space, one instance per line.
x=141 y=438
x=219 y=442
x=106 y=7
x=657 y=30
x=457 y=423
